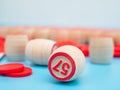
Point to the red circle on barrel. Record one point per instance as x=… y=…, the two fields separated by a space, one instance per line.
x=71 y=61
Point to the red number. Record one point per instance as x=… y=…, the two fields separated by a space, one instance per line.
x=65 y=67
x=57 y=65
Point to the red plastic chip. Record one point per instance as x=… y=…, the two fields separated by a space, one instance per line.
x=10 y=68
x=116 y=54
x=26 y=72
x=117 y=51
x=117 y=48
x=2 y=40
x=84 y=49
x=62 y=43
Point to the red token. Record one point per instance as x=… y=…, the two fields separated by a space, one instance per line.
x=62 y=43
x=2 y=40
x=117 y=48
x=26 y=72
x=116 y=54
x=117 y=51
x=10 y=68
x=84 y=49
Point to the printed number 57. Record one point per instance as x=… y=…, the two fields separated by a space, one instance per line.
x=64 y=66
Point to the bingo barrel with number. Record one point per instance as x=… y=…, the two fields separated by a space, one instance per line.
x=66 y=63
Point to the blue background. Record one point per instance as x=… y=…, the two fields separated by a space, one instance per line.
x=84 y=13
x=94 y=77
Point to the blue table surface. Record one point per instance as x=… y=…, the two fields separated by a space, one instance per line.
x=94 y=77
